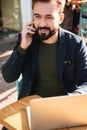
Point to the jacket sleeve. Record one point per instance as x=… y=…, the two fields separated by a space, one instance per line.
x=12 y=69
x=81 y=67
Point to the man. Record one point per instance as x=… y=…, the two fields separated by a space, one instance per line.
x=51 y=60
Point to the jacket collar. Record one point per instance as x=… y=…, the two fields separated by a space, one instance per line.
x=61 y=50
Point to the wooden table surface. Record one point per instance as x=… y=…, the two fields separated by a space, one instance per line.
x=14 y=116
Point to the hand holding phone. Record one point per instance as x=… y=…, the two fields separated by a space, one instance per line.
x=27 y=34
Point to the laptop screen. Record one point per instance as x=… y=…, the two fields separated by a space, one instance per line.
x=58 y=112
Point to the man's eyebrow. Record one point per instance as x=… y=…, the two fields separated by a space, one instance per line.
x=49 y=15
x=36 y=14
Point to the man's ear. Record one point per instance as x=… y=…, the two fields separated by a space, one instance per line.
x=61 y=18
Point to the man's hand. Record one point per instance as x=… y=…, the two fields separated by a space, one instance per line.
x=27 y=34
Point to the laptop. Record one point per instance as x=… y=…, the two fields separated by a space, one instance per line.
x=57 y=112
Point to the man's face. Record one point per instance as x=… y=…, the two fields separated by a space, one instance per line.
x=46 y=19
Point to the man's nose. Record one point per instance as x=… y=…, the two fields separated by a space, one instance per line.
x=42 y=22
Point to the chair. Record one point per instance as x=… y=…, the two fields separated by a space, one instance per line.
x=83 y=20
x=19 y=83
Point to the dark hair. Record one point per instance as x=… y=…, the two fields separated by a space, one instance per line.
x=61 y=3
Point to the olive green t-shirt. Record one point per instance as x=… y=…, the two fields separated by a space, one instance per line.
x=46 y=82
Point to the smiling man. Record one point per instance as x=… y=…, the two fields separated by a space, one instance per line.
x=51 y=60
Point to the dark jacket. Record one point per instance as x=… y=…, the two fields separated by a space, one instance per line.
x=71 y=64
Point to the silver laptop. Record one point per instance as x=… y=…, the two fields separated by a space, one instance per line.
x=57 y=112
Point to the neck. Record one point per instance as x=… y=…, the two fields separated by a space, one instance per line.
x=52 y=39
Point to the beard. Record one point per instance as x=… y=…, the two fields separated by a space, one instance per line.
x=44 y=36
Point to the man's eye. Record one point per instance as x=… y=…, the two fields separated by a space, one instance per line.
x=49 y=17
x=37 y=16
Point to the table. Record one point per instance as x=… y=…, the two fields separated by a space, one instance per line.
x=14 y=116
